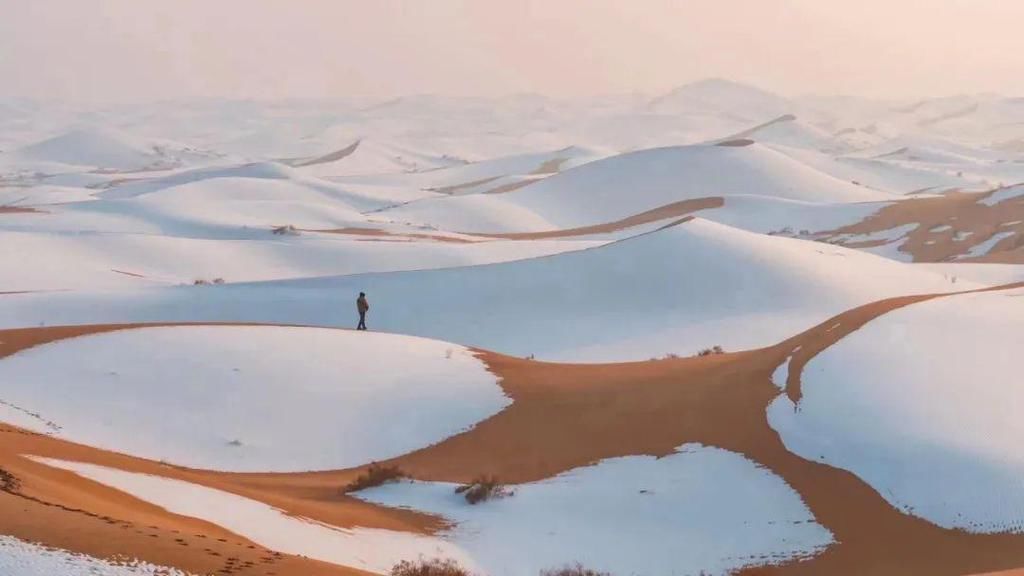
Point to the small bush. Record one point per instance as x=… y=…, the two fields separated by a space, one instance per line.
x=287 y=230
x=9 y=482
x=714 y=350
x=787 y=231
x=483 y=488
x=204 y=282
x=375 y=475
x=576 y=569
x=433 y=567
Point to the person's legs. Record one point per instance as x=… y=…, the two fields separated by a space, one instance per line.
x=362 y=321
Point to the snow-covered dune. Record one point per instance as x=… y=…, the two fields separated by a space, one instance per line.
x=457 y=179
x=677 y=290
x=108 y=261
x=264 y=173
x=249 y=398
x=614 y=188
x=102 y=148
x=90 y=147
x=369 y=549
x=371 y=156
x=939 y=384
x=720 y=97
x=699 y=510
x=789 y=131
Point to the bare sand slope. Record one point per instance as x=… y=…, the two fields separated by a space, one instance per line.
x=563 y=416
x=948 y=227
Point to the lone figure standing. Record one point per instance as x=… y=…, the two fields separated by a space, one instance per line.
x=362 y=306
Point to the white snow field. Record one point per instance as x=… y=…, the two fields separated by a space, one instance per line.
x=245 y=398
x=20 y=558
x=112 y=261
x=133 y=204
x=614 y=188
x=368 y=549
x=676 y=290
x=701 y=510
x=1003 y=195
x=939 y=382
x=91 y=147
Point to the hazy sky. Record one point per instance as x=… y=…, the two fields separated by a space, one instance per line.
x=98 y=50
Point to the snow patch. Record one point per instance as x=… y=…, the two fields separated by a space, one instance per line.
x=699 y=510
x=932 y=426
x=368 y=549
x=1001 y=195
x=987 y=246
x=245 y=398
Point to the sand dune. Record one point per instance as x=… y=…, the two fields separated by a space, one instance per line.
x=860 y=419
x=565 y=416
x=91 y=147
x=975 y=227
x=617 y=187
x=676 y=290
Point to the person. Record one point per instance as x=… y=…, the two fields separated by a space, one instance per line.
x=362 y=306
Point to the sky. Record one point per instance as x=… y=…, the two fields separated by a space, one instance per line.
x=125 y=50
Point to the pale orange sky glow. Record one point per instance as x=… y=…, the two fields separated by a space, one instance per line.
x=98 y=50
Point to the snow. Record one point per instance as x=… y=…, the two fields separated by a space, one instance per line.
x=882 y=174
x=368 y=549
x=93 y=147
x=887 y=236
x=771 y=215
x=722 y=97
x=889 y=241
x=781 y=374
x=699 y=510
x=985 y=247
x=250 y=398
x=980 y=273
x=109 y=261
x=257 y=181
x=372 y=156
x=614 y=188
x=1002 y=195
x=486 y=213
x=938 y=383
x=495 y=168
x=20 y=558
x=676 y=290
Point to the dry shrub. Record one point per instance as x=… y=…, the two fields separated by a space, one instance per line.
x=375 y=475
x=9 y=482
x=287 y=230
x=576 y=569
x=483 y=488
x=711 y=351
x=432 y=567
